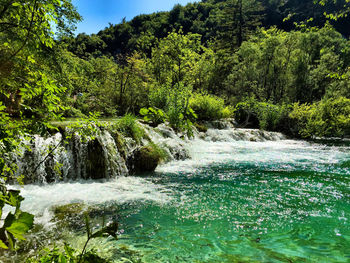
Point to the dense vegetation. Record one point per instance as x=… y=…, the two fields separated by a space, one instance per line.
x=276 y=65
x=194 y=63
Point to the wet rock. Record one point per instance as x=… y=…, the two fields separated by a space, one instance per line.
x=50 y=169
x=68 y=211
x=69 y=215
x=176 y=150
x=221 y=124
x=95 y=163
x=143 y=159
x=201 y=127
x=166 y=131
x=121 y=144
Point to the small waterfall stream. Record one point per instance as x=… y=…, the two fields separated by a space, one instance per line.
x=52 y=159
x=226 y=195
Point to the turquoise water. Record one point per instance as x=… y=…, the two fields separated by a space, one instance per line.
x=281 y=201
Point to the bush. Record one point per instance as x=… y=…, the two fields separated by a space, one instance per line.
x=327 y=118
x=159 y=97
x=263 y=115
x=209 y=107
x=153 y=116
x=129 y=127
x=73 y=112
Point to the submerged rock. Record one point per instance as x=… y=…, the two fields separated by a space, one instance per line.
x=68 y=211
x=143 y=159
x=70 y=215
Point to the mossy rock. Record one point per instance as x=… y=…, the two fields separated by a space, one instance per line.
x=120 y=142
x=96 y=164
x=201 y=127
x=63 y=212
x=144 y=159
x=70 y=216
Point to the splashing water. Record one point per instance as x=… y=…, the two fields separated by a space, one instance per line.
x=244 y=196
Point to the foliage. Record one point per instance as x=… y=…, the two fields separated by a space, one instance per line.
x=285 y=67
x=263 y=115
x=336 y=14
x=86 y=129
x=25 y=30
x=209 y=107
x=73 y=256
x=213 y=19
x=327 y=118
x=16 y=224
x=129 y=127
x=69 y=255
x=153 y=116
x=173 y=65
x=237 y=20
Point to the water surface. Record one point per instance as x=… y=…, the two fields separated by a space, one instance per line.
x=237 y=201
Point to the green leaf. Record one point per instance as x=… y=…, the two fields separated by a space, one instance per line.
x=10 y=218
x=21 y=225
x=14 y=199
x=144 y=111
x=69 y=251
x=3 y=245
x=111 y=230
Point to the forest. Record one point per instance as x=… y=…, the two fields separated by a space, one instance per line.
x=281 y=66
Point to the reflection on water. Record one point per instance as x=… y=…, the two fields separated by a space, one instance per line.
x=234 y=201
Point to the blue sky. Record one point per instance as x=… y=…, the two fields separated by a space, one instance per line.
x=98 y=13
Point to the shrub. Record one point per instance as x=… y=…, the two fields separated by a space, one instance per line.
x=327 y=118
x=153 y=116
x=263 y=115
x=209 y=107
x=159 y=97
x=129 y=127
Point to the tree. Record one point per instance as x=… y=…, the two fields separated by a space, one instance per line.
x=25 y=88
x=238 y=19
x=278 y=67
x=173 y=66
x=340 y=8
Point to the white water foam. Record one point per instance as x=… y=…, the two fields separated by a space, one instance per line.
x=40 y=198
x=216 y=146
x=281 y=152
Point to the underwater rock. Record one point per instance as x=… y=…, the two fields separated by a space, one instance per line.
x=69 y=215
x=68 y=211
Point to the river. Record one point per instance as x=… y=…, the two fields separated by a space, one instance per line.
x=234 y=200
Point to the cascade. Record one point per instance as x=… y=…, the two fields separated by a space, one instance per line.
x=48 y=160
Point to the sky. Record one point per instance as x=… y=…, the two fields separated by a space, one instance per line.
x=98 y=13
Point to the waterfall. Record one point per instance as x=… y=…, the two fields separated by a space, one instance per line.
x=232 y=134
x=53 y=159
x=47 y=160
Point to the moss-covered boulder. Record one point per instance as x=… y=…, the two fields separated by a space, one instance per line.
x=144 y=159
x=68 y=211
x=95 y=165
x=201 y=127
x=70 y=215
